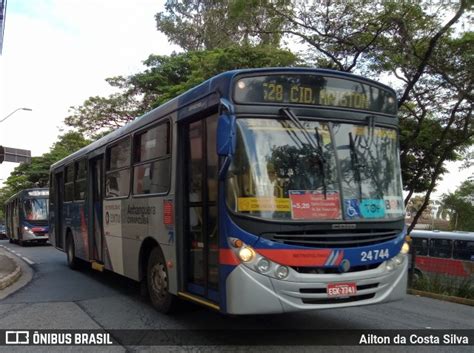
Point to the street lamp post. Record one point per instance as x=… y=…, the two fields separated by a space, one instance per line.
x=13 y=112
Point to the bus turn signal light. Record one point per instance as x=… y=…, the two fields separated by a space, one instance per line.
x=237 y=243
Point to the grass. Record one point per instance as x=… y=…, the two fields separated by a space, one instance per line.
x=445 y=285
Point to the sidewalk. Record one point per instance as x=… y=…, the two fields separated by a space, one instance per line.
x=10 y=270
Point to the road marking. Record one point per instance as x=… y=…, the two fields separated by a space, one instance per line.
x=18 y=254
x=27 y=260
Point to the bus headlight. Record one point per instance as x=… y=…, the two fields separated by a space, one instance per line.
x=405 y=248
x=282 y=272
x=27 y=230
x=251 y=259
x=246 y=254
x=398 y=259
x=263 y=265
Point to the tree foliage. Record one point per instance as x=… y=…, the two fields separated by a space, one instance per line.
x=460 y=206
x=36 y=173
x=164 y=78
x=209 y=24
x=422 y=47
x=415 y=45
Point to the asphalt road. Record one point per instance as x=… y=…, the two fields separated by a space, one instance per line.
x=59 y=298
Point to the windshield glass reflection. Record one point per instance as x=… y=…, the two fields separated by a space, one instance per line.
x=36 y=209
x=309 y=170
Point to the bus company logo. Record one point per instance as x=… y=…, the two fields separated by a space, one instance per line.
x=308 y=255
x=343 y=226
x=17 y=337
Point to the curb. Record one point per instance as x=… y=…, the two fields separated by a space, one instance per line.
x=11 y=278
x=447 y=298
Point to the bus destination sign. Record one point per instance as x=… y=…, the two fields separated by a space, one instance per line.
x=315 y=90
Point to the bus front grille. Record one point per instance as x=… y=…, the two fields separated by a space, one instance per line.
x=332 y=270
x=38 y=223
x=333 y=239
x=338 y=300
x=323 y=290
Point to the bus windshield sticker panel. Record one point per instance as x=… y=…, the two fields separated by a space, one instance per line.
x=394 y=205
x=306 y=204
x=352 y=209
x=263 y=203
x=314 y=90
x=372 y=208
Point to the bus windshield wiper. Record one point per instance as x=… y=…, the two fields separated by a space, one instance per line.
x=316 y=145
x=355 y=163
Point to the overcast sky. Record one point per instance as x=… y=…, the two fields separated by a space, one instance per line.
x=57 y=53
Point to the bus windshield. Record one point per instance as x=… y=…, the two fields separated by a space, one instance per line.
x=35 y=209
x=310 y=170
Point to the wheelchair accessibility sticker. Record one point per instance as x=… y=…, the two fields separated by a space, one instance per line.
x=351 y=207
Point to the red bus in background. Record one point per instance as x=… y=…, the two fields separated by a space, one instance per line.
x=449 y=254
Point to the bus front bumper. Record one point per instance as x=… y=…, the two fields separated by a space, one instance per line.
x=249 y=292
x=32 y=237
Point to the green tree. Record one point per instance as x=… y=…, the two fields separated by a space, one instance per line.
x=413 y=43
x=461 y=207
x=36 y=173
x=164 y=78
x=210 y=24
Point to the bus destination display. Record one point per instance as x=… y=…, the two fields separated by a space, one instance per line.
x=314 y=90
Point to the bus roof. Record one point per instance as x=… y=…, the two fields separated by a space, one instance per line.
x=220 y=84
x=25 y=193
x=437 y=234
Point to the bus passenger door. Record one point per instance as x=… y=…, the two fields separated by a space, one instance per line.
x=201 y=232
x=58 y=209
x=96 y=182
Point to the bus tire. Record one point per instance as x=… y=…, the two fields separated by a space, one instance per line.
x=72 y=260
x=158 y=283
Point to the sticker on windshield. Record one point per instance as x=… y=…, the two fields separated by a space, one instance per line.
x=352 y=208
x=372 y=208
x=249 y=204
x=308 y=204
x=325 y=134
x=378 y=132
x=393 y=204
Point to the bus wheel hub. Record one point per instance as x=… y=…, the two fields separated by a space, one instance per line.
x=159 y=280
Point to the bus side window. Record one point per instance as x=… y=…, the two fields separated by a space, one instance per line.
x=441 y=248
x=80 y=180
x=421 y=246
x=464 y=250
x=69 y=183
x=152 y=160
x=117 y=180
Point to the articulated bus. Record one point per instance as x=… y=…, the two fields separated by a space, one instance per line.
x=446 y=254
x=26 y=216
x=258 y=191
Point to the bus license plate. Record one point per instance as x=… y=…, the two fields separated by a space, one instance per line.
x=341 y=289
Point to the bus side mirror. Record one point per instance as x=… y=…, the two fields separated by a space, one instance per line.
x=226 y=135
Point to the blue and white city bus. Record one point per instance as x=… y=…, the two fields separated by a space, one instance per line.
x=258 y=191
x=26 y=216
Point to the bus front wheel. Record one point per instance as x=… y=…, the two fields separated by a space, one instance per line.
x=158 y=283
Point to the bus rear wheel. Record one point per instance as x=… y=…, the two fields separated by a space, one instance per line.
x=72 y=260
x=158 y=283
